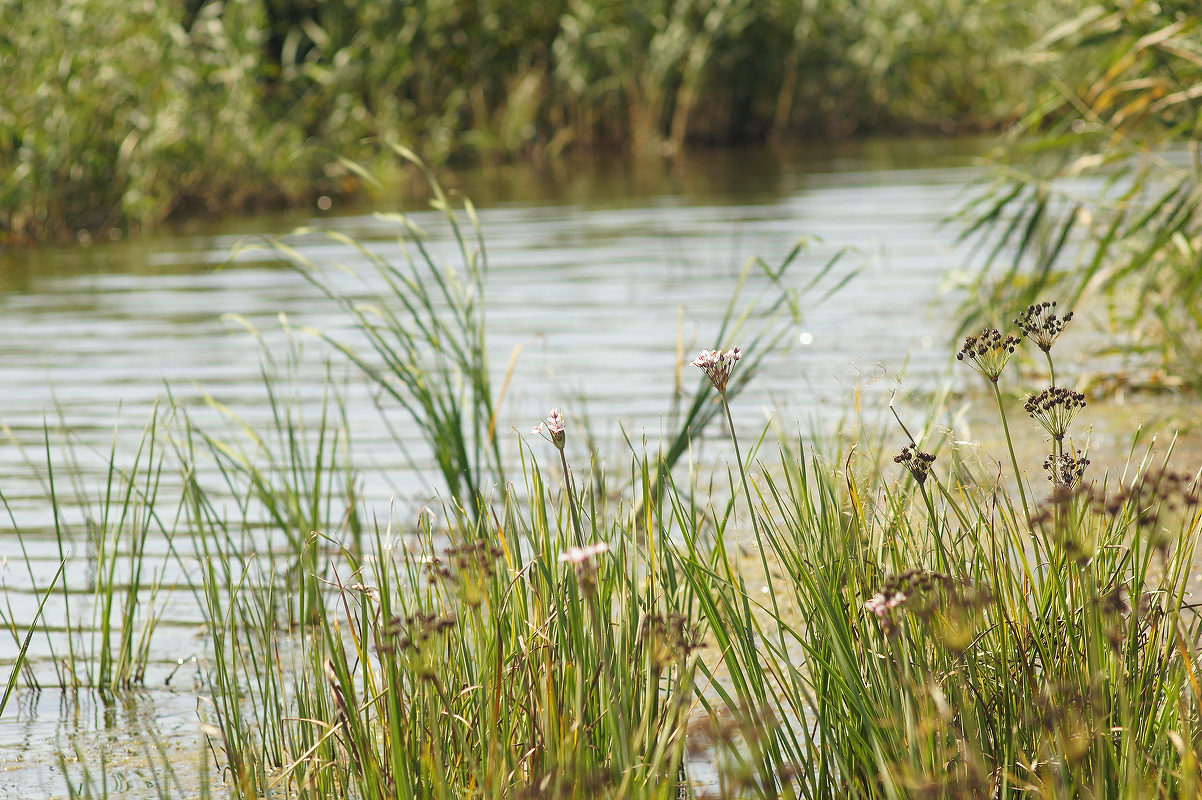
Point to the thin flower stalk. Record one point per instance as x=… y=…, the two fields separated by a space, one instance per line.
x=988 y=353
x=1018 y=476
x=554 y=431
x=718 y=366
x=1040 y=324
x=947 y=496
x=919 y=465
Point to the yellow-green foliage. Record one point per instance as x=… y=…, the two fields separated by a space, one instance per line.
x=121 y=113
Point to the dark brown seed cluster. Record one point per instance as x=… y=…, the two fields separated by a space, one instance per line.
x=1144 y=504
x=668 y=639
x=468 y=567
x=918 y=462
x=1055 y=408
x=1066 y=470
x=418 y=637
x=988 y=352
x=1040 y=324
x=902 y=591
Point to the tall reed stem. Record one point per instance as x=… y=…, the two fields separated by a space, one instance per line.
x=1018 y=476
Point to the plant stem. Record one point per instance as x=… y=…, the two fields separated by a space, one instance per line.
x=936 y=533
x=567 y=482
x=1022 y=493
x=1051 y=367
x=751 y=511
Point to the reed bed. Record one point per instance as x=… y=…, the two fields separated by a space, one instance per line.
x=119 y=116
x=896 y=618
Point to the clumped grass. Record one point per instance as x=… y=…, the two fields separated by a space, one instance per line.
x=119 y=115
x=103 y=526
x=894 y=620
x=956 y=647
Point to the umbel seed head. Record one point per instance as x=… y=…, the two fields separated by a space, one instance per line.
x=1040 y=324
x=1054 y=409
x=1066 y=470
x=988 y=352
x=918 y=462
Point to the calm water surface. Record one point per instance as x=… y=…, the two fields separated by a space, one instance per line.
x=597 y=269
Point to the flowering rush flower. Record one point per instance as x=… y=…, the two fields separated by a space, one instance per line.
x=581 y=555
x=881 y=605
x=552 y=429
x=718 y=365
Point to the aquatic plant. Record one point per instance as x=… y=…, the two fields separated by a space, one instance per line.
x=900 y=630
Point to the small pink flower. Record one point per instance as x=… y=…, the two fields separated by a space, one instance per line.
x=718 y=365
x=882 y=605
x=877 y=605
x=552 y=429
x=581 y=555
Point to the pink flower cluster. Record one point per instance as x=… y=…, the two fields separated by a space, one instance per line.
x=552 y=429
x=579 y=555
x=881 y=605
x=718 y=365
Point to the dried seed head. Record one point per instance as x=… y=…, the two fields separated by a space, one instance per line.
x=1054 y=409
x=918 y=462
x=1066 y=469
x=475 y=564
x=988 y=352
x=1040 y=324
x=950 y=608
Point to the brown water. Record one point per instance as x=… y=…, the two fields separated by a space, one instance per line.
x=596 y=267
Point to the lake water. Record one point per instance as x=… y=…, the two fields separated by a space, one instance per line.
x=597 y=268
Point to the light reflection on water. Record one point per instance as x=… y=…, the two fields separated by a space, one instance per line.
x=596 y=274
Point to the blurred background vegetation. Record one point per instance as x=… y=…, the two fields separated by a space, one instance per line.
x=126 y=112
x=1098 y=189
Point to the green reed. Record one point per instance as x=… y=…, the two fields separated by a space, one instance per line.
x=111 y=650
x=1096 y=192
x=962 y=652
x=124 y=115
x=904 y=628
